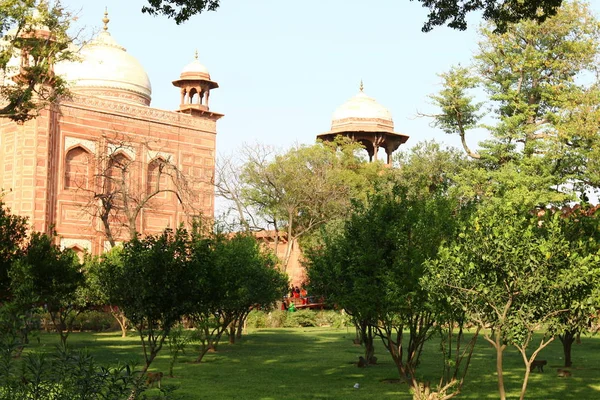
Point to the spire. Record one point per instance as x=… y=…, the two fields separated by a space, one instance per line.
x=361 y=85
x=105 y=19
x=196 y=55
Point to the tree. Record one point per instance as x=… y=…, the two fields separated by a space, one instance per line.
x=372 y=269
x=543 y=93
x=153 y=285
x=13 y=234
x=501 y=12
x=34 y=38
x=116 y=192
x=580 y=227
x=300 y=190
x=234 y=276
x=96 y=269
x=510 y=269
x=50 y=278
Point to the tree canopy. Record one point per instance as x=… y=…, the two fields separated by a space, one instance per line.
x=441 y=12
x=540 y=93
x=33 y=37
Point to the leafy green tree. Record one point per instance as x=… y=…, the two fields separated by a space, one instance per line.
x=235 y=275
x=372 y=269
x=13 y=233
x=33 y=38
x=152 y=284
x=580 y=226
x=263 y=285
x=510 y=269
x=50 y=278
x=298 y=191
x=542 y=91
x=96 y=269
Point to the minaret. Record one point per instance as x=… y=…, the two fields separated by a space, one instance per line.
x=195 y=85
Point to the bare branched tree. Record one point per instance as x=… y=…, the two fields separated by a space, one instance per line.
x=127 y=177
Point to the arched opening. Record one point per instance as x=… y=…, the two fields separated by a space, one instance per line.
x=79 y=252
x=157 y=178
x=117 y=174
x=192 y=95
x=77 y=168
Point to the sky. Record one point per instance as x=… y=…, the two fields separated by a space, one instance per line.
x=283 y=67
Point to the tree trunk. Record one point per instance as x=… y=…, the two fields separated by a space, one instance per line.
x=367 y=339
x=231 y=331
x=567 y=339
x=499 y=365
x=121 y=320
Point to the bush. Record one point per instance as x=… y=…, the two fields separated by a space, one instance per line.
x=95 y=321
x=303 y=318
x=333 y=318
x=64 y=375
x=300 y=318
x=276 y=319
x=256 y=319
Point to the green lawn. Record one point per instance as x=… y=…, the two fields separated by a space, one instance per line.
x=316 y=363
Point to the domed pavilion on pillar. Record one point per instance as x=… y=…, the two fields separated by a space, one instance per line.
x=364 y=120
x=62 y=168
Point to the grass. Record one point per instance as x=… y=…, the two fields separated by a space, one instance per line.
x=317 y=363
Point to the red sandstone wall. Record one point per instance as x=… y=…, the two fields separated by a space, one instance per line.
x=32 y=164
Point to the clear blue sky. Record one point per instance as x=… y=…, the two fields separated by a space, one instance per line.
x=283 y=67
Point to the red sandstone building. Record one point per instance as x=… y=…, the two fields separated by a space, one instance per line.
x=104 y=163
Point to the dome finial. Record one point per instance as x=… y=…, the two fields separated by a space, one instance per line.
x=105 y=19
x=361 y=85
x=196 y=54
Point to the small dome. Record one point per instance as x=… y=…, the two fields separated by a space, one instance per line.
x=105 y=69
x=195 y=70
x=359 y=107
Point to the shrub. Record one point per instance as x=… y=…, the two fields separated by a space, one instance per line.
x=303 y=318
x=95 y=321
x=300 y=318
x=333 y=318
x=256 y=319
x=276 y=319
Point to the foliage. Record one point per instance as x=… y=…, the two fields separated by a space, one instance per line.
x=153 y=285
x=372 y=269
x=502 y=12
x=48 y=277
x=94 y=321
x=177 y=341
x=34 y=38
x=296 y=192
x=580 y=227
x=98 y=272
x=13 y=233
x=542 y=95
x=66 y=375
x=508 y=270
x=234 y=276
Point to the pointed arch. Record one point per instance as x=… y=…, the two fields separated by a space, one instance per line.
x=77 y=168
x=117 y=172
x=157 y=178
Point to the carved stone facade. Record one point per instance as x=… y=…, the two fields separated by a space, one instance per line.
x=106 y=144
x=50 y=166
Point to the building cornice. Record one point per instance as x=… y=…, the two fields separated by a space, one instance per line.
x=139 y=112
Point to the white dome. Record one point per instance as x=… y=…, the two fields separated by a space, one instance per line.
x=195 y=70
x=194 y=67
x=106 y=69
x=361 y=106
